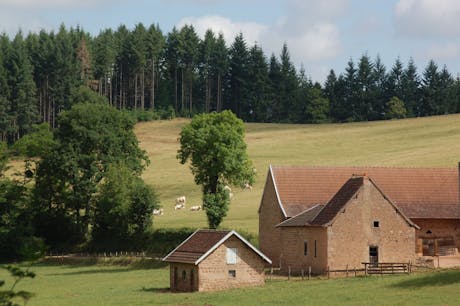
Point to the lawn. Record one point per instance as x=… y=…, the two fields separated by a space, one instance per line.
x=420 y=142
x=148 y=285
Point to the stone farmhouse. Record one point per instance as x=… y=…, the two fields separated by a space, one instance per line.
x=210 y=260
x=338 y=216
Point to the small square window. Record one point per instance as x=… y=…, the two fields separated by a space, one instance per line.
x=232 y=273
x=376 y=224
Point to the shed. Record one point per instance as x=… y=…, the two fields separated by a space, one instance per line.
x=210 y=260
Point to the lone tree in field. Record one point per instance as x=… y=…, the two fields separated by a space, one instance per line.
x=215 y=145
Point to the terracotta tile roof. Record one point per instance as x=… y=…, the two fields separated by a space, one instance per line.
x=202 y=243
x=338 y=201
x=419 y=192
x=196 y=246
x=304 y=218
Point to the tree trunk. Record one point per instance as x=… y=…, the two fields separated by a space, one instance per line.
x=121 y=88
x=175 y=88
x=219 y=93
x=135 y=91
x=191 y=92
x=182 y=90
x=152 y=93
x=142 y=89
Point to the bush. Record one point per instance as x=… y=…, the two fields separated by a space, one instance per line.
x=162 y=241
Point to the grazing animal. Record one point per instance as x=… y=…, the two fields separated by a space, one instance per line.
x=247 y=186
x=180 y=200
x=158 y=212
x=227 y=188
x=196 y=208
x=179 y=206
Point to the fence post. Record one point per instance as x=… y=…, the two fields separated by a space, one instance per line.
x=346 y=272
x=289 y=272
x=365 y=269
x=302 y=273
x=271 y=272
x=309 y=272
x=328 y=273
x=355 y=271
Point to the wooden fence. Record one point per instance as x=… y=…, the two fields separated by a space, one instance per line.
x=369 y=269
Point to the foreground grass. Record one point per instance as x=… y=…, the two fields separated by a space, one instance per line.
x=148 y=285
x=420 y=142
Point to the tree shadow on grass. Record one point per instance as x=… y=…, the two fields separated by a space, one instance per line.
x=443 y=278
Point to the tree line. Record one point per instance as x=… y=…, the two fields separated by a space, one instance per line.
x=145 y=69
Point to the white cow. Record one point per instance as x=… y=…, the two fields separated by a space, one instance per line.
x=196 y=208
x=180 y=200
x=158 y=212
x=247 y=186
x=229 y=190
x=179 y=206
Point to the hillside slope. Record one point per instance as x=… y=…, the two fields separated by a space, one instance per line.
x=420 y=142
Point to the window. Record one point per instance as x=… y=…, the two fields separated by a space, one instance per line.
x=376 y=224
x=315 y=248
x=231 y=256
x=305 y=248
x=232 y=273
x=184 y=275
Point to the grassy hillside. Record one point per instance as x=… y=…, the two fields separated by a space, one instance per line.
x=420 y=142
x=63 y=284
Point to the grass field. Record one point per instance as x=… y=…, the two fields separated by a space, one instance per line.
x=62 y=285
x=420 y=142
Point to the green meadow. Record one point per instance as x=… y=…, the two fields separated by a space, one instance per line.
x=147 y=284
x=419 y=142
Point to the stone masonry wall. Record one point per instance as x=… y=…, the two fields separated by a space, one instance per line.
x=439 y=228
x=270 y=215
x=353 y=232
x=214 y=270
x=293 y=246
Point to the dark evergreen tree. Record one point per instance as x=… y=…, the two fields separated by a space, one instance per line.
x=220 y=67
x=431 y=103
x=380 y=97
x=238 y=75
x=411 y=93
x=258 y=88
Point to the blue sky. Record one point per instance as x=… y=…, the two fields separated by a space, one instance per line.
x=321 y=34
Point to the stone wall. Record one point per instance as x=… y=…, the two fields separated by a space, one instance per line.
x=270 y=215
x=214 y=270
x=293 y=250
x=353 y=232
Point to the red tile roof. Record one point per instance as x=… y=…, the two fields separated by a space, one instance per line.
x=196 y=246
x=338 y=201
x=418 y=192
x=304 y=218
x=202 y=243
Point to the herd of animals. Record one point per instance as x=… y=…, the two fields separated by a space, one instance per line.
x=180 y=201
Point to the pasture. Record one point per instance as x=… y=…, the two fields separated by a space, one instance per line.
x=418 y=142
x=147 y=284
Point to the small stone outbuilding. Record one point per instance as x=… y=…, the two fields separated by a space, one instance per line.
x=359 y=224
x=211 y=260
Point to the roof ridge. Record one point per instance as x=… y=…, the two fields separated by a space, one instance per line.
x=362 y=166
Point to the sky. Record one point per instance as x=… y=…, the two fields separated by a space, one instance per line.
x=320 y=34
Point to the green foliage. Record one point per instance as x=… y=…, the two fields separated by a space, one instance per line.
x=395 y=109
x=7 y=297
x=83 y=94
x=3 y=157
x=216 y=206
x=38 y=143
x=123 y=211
x=90 y=139
x=163 y=240
x=214 y=144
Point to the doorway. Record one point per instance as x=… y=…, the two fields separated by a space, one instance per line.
x=373 y=255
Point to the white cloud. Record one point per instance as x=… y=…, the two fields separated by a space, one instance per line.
x=29 y=22
x=428 y=17
x=441 y=53
x=252 y=31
